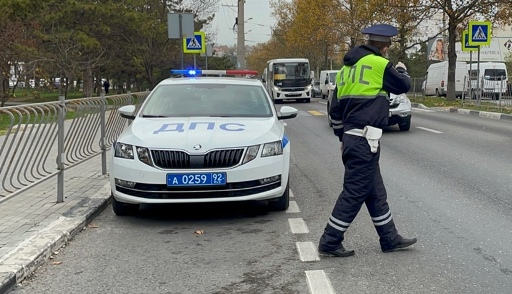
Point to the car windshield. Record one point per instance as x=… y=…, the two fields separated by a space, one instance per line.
x=291 y=71
x=495 y=74
x=332 y=77
x=215 y=100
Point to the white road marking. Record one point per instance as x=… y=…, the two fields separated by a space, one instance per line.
x=318 y=282
x=430 y=130
x=293 y=208
x=298 y=226
x=291 y=194
x=322 y=102
x=420 y=109
x=307 y=251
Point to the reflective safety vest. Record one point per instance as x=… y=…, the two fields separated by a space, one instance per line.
x=362 y=80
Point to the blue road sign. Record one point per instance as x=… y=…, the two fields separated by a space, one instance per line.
x=195 y=44
x=480 y=33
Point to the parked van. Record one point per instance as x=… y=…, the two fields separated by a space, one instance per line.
x=437 y=78
x=327 y=82
x=493 y=79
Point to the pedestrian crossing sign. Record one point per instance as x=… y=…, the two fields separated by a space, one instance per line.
x=195 y=44
x=465 y=43
x=480 y=33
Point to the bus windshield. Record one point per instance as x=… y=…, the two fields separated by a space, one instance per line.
x=291 y=71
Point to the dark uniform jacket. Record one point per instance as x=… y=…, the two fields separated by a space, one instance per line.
x=358 y=113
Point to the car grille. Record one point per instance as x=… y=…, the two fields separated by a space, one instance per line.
x=170 y=159
x=292 y=89
x=157 y=191
x=222 y=158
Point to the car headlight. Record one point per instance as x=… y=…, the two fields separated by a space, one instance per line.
x=402 y=98
x=308 y=87
x=252 y=152
x=275 y=89
x=272 y=149
x=122 y=150
x=143 y=155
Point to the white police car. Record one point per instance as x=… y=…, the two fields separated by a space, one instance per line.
x=202 y=139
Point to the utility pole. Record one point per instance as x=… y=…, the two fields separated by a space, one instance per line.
x=240 y=45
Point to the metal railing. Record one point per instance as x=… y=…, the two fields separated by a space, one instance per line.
x=495 y=93
x=33 y=137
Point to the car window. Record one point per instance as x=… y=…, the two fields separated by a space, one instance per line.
x=332 y=77
x=208 y=100
x=495 y=74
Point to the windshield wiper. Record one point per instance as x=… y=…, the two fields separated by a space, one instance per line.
x=150 y=115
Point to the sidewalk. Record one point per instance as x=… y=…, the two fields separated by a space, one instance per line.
x=33 y=225
x=479 y=113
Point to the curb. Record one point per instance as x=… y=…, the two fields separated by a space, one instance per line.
x=484 y=114
x=35 y=251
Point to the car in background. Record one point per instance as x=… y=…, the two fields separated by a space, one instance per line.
x=400 y=110
x=327 y=82
x=202 y=139
x=316 y=91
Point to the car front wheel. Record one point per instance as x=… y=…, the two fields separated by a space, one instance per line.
x=121 y=208
x=281 y=203
x=405 y=124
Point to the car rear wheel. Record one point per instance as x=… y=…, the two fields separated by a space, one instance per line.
x=307 y=100
x=121 y=208
x=281 y=203
x=405 y=124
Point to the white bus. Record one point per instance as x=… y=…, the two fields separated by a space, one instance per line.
x=288 y=79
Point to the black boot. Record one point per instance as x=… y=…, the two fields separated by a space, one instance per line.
x=397 y=243
x=340 y=252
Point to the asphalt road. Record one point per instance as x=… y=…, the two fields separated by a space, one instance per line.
x=449 y=183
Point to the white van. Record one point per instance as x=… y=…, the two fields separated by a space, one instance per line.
x=437 y=78
x=493 y=79
x=327 y=82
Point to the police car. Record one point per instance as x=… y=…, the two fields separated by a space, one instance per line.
x=202 y=139
x=400 y=110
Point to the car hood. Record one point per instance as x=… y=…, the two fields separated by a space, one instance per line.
x=207 y=132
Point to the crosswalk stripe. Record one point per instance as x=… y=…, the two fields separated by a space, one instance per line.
x=315 y=112
x=307 y=251
x=298 y=226
x=318 y=282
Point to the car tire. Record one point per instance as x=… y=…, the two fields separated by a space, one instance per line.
x=323 y=96
x=281 y=203
x=307 y=100
x=122 y=209
x=405 y=124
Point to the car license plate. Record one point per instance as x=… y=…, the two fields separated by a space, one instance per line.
x=196 y=179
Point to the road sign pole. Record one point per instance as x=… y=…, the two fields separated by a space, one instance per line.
x=479 y=93
x=470 y=73
x=206 y=56
x=181 y=38
x=195 y=66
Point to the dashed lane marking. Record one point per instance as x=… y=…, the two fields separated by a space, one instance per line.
x=307 y=251
x=298 y=226
x=293 y=207
x=316 y=113
x=430 y=130
x=318 y=282
x=291 y=194
x=322 y=102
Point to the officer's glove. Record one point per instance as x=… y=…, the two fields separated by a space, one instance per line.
x=400 y=65
x=401 y=68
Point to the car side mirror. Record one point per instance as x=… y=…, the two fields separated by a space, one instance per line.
x=287 y=112
x=127 y=111
x=326 y=82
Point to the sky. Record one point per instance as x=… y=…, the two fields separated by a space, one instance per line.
x=258 y=17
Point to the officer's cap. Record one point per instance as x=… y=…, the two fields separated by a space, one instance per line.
x=380 y=32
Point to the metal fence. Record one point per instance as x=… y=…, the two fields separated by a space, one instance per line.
x=39 y=141
x=493 y=92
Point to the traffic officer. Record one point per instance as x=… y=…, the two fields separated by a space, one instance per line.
x=358 y=115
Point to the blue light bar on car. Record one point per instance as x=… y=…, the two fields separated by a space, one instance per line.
x=186 y=72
